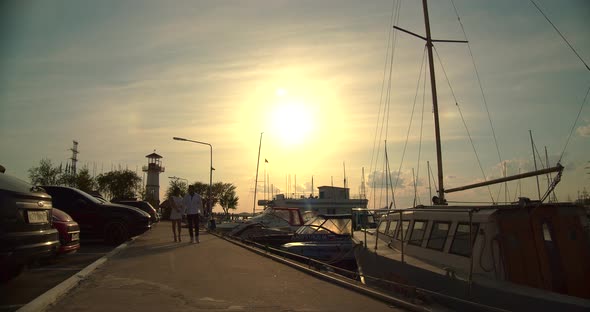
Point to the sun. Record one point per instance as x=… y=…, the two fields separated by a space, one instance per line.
x=292 y=122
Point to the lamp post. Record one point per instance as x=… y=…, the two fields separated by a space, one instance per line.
x=209 y=208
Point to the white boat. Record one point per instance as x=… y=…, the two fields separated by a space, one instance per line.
x=331 y=200
x=523 y=256
x=325 y=238
x=286 y=219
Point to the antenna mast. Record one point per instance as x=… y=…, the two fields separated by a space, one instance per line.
x=74 y=158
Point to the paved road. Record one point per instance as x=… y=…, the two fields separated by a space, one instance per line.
x=156 y=274
x=41 y=277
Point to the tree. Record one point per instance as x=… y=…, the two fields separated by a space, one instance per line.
x=217 y=190
x=84 y=181
x=174 y=185
x=227 y=197
x=45 y=174
x=119 y=184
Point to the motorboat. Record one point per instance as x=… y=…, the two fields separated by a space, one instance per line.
x=274 y=218
x=325 y=238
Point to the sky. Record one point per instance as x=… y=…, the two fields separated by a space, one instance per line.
x=303 y=81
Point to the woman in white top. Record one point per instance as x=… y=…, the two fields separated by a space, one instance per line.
x=176 y=213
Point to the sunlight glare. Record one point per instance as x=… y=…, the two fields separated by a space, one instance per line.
x=281 y=92
x=292 y=122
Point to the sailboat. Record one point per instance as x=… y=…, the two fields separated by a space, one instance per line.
x=527 y=255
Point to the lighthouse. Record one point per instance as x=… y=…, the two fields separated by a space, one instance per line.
x=152 y=186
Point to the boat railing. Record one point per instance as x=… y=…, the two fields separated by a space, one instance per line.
x=407 y=290
x=307 y=260
x=357 y=275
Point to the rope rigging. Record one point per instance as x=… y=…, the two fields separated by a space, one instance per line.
x=558 y=177
x=485 y=102
x=561 y=35
x=384 y=101
x=411 y=118
x=463 y=120
x=574 y=125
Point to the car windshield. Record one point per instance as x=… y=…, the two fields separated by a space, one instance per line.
x=16 y=185
x=89 y=197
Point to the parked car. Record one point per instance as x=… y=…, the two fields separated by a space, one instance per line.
x=143 y=205
x=69 y=232
x=112 y=222
x=26 y=233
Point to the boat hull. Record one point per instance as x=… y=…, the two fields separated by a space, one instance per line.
x=509 y=297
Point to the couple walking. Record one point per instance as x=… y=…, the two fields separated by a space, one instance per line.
x=192 y=206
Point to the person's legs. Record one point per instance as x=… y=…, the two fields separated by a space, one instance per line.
x=174 y=229
x=189 y=219
x=179 y=227
x=197 y=227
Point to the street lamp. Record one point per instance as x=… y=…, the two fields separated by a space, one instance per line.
x=210 y=167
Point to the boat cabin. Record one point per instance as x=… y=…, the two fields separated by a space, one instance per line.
x=544 y=246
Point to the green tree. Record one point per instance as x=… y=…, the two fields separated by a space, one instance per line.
x=84 y=181
x=176 y=184
x=45 y=173
x=217 y=190
x=119 y=184
x=227 y=197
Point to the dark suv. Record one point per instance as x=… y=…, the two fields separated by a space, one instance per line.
x=26 y=233
x=141 y=204
x=112 y=222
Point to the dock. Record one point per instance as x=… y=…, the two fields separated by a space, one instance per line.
x=153 y=273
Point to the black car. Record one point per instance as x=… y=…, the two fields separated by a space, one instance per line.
x=97 y=219
x=141 y=204
x=26 y=232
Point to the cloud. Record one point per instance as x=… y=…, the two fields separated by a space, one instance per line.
x=584 y=131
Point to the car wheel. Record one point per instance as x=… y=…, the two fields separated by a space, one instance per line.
x=116 y=232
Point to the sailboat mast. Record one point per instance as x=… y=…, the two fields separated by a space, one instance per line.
x=441 y=193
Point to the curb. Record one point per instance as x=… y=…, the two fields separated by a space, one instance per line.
x=52 y=296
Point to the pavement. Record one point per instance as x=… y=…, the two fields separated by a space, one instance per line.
x=153 y=273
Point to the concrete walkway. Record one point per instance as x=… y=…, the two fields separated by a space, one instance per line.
x=156 y=274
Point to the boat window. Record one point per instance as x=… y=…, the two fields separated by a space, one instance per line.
x=546 y=233
x=418 y=232
x=438 y=235
x=404 y=228
x=383 y=227
x=461 y=244
x=392 y=228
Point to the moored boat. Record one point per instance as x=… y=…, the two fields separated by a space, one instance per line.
x=325 y=238
x=527 y=255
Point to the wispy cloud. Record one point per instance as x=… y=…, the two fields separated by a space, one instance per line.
x=584 y=131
